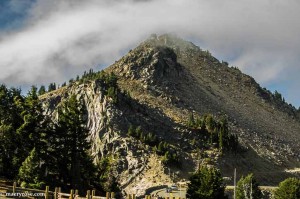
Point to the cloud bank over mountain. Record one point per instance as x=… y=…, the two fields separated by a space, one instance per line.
x=59 y=39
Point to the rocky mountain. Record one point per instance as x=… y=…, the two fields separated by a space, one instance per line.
x=161 y=83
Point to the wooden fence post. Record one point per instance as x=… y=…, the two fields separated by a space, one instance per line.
x=55 y=193
x=14 y=187
x=59 y=191
x=133 y=196
x=107 y=195
x=93 y=193
x=88 y=194
x=47 y=192
x=76 y=193
x=71 y=194
x=112 y=195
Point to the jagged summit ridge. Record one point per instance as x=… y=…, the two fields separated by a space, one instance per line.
x=149 y=62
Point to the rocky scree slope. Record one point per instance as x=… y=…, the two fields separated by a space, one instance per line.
x=177 y=77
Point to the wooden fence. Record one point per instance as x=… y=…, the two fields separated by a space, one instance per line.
x=14 y=191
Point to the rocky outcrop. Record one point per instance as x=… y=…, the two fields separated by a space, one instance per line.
x=105 y=136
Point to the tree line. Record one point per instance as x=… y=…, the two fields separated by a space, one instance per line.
x=207 y=183
x=169 y=155
x=37 y=151
x=217 y=131
x=87 y=76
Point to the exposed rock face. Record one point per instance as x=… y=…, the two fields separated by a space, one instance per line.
x=167 y=79
x=108 y=124
x=103 y=119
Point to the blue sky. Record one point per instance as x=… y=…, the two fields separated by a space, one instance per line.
x=42 y=41
x=13 y=13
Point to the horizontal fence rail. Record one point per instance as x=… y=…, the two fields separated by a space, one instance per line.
x=14 y=191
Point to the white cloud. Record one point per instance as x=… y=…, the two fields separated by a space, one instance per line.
x=60 y=39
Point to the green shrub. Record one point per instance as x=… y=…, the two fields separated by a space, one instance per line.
x=288 y=189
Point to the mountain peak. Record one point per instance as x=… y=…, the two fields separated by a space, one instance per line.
x=169 y=40
x=152 y=61
x=161 y=83
x=175 y=75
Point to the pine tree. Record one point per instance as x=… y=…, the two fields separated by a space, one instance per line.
x=33 y=133
x=138 y=132
x=191 y=122
x=221 y=145
x=206 y=183
x=33 y=127
x=247 y=187
x=131 y=131
x=160 y=148
x=72 y=125
x=42 y=90
x=51 y=87
x=210 y=123
x=30 y=172
x=210 y=126
x=7 y=147
x=112 y=92
x=11 y=106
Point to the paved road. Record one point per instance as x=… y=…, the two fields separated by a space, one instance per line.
x=269 y=188
x=182 y=192
x=162 y=192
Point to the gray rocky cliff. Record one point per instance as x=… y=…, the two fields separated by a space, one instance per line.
x=106 y=133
